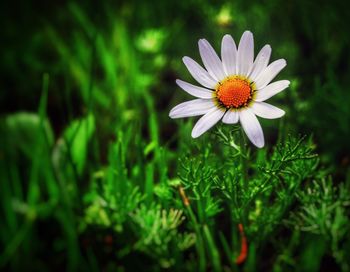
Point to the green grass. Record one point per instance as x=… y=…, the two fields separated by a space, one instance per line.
x=96 y=177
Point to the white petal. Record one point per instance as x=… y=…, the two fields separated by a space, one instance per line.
x=245 y=55
x=269 y=73
x=192 y=108
x=211 y=60
x=252 y=127
x=195 y=90
x=271 y=89
x=230 y=117
x=261 y=62
x=199 y=74
x=229 y=55
x=206 y=122
x=267 y=111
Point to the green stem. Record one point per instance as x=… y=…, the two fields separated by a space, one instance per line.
x=244 y=155
x=213 y=251
x=199 y=242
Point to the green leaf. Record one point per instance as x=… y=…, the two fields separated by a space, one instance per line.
x=26 y=132
x=77 y=137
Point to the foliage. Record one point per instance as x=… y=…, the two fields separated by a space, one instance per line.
x=95 y=176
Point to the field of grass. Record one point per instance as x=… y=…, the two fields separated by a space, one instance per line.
x=95 y=176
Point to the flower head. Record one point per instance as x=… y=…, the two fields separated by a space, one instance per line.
x=234 y=88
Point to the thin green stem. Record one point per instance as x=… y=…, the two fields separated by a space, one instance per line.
x=200 y=242
x=213 y=251
x=243 y=156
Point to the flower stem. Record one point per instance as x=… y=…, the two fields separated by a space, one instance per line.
x=244 y=155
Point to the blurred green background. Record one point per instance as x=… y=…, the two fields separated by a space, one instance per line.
x=88 y=85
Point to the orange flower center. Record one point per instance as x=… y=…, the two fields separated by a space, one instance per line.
x=234 y=92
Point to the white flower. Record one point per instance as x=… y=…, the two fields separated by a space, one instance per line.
x=234 y=88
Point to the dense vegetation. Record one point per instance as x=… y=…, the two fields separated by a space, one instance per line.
x=96 y=176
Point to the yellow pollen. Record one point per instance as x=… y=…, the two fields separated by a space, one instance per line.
x=234 y=92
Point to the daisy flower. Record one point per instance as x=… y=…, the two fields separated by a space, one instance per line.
x=234 y=88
